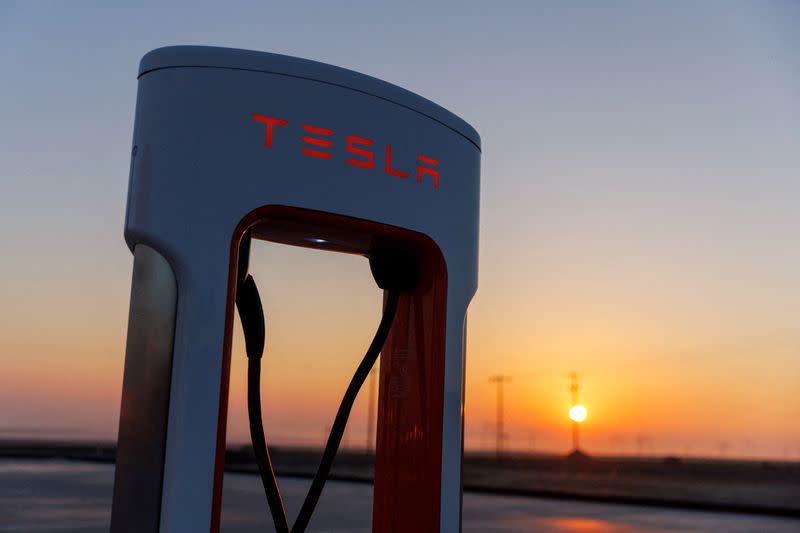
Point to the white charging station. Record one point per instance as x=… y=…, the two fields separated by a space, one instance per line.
x=298 y=152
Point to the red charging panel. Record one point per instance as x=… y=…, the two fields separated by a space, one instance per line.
x=408 y=461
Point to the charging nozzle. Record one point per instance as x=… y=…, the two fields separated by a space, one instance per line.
x=395 y=269
x=251 y=314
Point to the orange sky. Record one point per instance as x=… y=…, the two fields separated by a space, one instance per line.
x=657 y=388
x=639 y=220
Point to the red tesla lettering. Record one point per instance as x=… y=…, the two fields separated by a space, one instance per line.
x=353 y=140
x=389 y=169
x=317 y=142
x=322 y=143
x=425 y=170
x=270 y=122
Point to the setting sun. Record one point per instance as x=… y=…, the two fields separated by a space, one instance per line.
x=577 y=413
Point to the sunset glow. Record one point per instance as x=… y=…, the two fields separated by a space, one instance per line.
x=638 y=226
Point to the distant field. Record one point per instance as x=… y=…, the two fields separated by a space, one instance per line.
x=737 y=486
x=771 y=488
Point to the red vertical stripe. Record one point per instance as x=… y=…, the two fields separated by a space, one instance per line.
x=408 y=460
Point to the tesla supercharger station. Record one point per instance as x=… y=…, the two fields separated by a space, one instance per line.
x=228 y=142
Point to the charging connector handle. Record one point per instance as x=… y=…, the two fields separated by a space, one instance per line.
x=251 y=313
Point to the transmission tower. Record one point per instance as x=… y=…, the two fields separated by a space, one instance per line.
x=574 y=390
x=500 y=431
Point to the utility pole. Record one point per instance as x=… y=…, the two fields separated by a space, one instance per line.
x=371 y=412
x=499 y=380
x=574 y=389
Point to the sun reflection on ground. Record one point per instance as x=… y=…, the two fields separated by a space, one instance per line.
x=583 y=524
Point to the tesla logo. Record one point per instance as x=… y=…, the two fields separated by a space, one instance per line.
x=318 y=142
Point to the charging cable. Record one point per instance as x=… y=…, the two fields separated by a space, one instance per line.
x=395 y=273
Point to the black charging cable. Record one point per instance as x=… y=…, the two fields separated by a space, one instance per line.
x=251 y=314
x=395 y=273
x=340 y=422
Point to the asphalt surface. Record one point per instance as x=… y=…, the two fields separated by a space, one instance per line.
x=64 y=496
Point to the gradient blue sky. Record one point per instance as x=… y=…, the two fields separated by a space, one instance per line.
x=639 y=210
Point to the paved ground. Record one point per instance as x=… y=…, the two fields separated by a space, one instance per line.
x=60 y=496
